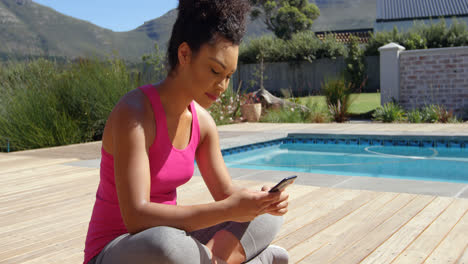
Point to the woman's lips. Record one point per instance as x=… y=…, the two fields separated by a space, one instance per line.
x=212 y=97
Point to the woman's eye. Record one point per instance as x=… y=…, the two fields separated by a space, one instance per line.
x=214 y=72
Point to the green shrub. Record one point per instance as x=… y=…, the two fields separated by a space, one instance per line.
x=389 y=113
x=304 y=46
x=284 y=115
x=331 y=48
x=415 y=116
x=413 y=40
x=316 y=113
x=155 y=61
x=422 y=36
x=355 y=67
x=430 y=114
x=457 y=34
x=45 y=104
x=90 y=90
x=290 y=114
x=31 y=116
x=445 y=116
x=380 y=39
x=335 y=89
x=338 y=97
x=273 y=50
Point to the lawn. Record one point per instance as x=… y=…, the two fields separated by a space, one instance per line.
x=361 y=103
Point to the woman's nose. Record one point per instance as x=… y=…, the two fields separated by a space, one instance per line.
x=223 y=85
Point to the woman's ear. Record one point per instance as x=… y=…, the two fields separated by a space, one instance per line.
x=184 y=54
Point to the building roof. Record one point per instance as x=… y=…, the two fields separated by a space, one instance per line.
x=392 y=10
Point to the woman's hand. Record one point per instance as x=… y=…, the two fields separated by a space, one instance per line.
x=281 y=206
x=244 y=205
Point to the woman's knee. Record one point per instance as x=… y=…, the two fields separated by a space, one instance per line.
x=160 y=240
x=172 y=246
x=260 y=233
x=271 y=222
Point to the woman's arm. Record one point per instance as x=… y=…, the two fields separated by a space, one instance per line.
x=132 y=179
x=210 y=160
x=213 y=169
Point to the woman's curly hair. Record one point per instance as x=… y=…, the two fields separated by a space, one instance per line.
x=200 y=21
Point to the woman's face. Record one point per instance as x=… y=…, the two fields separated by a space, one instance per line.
x=211 y=69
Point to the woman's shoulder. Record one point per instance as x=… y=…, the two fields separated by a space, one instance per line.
x=206 y=123
x=133 y=106
x=132 y=112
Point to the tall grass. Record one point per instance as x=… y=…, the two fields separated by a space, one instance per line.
x=315 y=114
x=44 y=103
x=338 y=97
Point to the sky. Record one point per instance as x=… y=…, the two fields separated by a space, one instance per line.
x=116 y=15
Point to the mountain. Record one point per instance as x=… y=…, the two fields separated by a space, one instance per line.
x=159 y=29
x=334 y=15
x=28 y=28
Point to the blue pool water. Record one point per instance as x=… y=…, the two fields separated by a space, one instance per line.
x=404 y=162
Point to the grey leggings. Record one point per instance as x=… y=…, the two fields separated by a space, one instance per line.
x=167 y=245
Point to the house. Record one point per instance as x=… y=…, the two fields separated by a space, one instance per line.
x=404 y=13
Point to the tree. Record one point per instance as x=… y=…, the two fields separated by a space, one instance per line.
x=355 y=67
x=285 y=17
x=156 y=60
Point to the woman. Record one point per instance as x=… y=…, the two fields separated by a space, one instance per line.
x=149 y=145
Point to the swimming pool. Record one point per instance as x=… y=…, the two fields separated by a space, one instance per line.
x=416 y=158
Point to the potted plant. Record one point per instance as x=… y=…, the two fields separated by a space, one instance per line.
x=251 y=108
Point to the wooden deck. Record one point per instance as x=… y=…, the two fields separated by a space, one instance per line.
x=46 y=206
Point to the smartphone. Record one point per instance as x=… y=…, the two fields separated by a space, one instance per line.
x=282 y=184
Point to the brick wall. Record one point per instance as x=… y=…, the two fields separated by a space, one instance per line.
x=435 y=76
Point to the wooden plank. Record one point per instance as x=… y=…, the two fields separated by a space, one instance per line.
x=453 y=246
x=389 y=250
x=379 y=235
x=11 y=181
x=34 y=236
x=30 y=255
x=77 y=191
x=79 y=185
x=310 y=229
x=26 y=163
x=44 y=226
x=337 y=238
x=296 y=194
x=43 y=183
x=422 y=247
x=60 y=206
x=53 y=240
x=464 y=258
x=46 y=219
x=46 y=182
x=318 y=208
x=36 y=173
x=63 y=255
x=307 y=202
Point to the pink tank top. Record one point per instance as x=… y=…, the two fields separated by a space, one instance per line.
x=169 y=167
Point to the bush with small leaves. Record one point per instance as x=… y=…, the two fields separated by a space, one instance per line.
x=414 y=116
x=389 y=113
